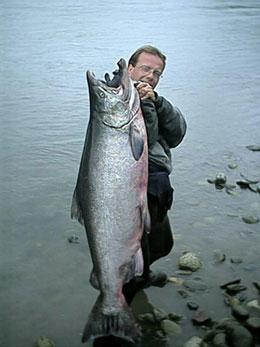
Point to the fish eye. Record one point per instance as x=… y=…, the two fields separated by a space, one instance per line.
x=101 y=94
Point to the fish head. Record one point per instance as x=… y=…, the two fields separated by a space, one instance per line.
x=115 y=101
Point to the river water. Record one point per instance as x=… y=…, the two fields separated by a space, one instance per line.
x=212 y=75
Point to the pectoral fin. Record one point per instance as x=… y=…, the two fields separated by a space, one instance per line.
x=137 y=142
x=75 y=209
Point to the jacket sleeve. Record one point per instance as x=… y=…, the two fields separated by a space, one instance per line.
x=163 y=120
x=171 y=123
x=151 y=121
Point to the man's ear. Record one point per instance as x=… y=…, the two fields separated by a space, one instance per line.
x=130 y=67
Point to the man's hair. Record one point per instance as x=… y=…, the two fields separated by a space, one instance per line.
x=146 y=49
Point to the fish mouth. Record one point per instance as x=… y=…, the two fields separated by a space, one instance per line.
x=118 y=85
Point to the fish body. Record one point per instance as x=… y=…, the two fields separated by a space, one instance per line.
x=110 y=199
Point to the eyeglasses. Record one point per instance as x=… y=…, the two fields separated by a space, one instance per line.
x=147 y=69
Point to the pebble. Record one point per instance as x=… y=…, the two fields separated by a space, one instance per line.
x=183 y=293
x=160 y=334
x=250 y=219
x=73 y=239
x=230 y=300
x=219 y=340
x=239 y=311
x=221 y=178
x=218 y=256
x=43 y=341
x=192 y=305
x=254 y=304
x=254 y=323
x=257 y=285
x=233 y=289
x=146 y=317
x=176 y=280
x=232 y=165
x=194 y=341
x=242 y=296
x=159 y=315
x=175 y=317
x=253 y=148
x=201 y=318
x=195 y=285
x=235 y=281
x=184 y=272
x=189 y=261
x=236 y=260
x=170 y=327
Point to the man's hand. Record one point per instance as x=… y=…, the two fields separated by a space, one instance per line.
x=145 y=91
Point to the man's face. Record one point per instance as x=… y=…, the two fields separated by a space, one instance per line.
x=148 y=68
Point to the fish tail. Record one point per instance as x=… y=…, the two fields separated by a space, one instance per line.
x=121 y=324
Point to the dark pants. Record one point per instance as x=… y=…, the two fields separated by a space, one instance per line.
x=159 y=241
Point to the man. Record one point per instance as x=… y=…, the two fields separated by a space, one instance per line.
x=166 y=128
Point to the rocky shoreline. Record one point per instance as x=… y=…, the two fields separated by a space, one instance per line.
x=241 y=328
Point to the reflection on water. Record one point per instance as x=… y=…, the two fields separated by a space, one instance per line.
x=212 y=75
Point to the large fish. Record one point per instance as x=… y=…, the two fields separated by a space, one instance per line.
x=110 y=199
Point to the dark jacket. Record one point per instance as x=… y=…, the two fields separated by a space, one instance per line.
x=165 y=127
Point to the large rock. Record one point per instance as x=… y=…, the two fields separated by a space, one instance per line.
x=241 y=337
x=170 y=327
x=189 y=261
x=194 y=341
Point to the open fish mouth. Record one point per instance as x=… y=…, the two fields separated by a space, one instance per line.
x=118 y=85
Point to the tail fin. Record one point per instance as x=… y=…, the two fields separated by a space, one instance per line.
x=121 y=324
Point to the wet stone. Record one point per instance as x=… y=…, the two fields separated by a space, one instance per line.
x=170 y=327
x=175 y=280
x=243 y=184
x=160 y=334
x=73 y=239
x=241 y=337
x=254 y=304
x=219 y=340
x=201 y=318
x=192 y=305
x=183 y=293
x=250 y=219
x=242 y=296
x=257 y=285
x=232 y=166
x=220 y=179
x=184 y=272
x=254 y=187
x=146 y=317
x=231 y=301
x=233 y=289
x=189 y=261
x=175 y=317
x=253 y=148
x=253 y=323
x=239 y=311
x=44 y=342
x=159 y=315
x=236 y=260
x=218 y=256
x=195 y=285
x=235 y=281
x=194 y=341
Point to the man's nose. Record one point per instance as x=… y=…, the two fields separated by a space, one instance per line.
x=150 y=74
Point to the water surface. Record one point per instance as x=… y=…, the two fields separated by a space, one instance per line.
x=212 y=75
